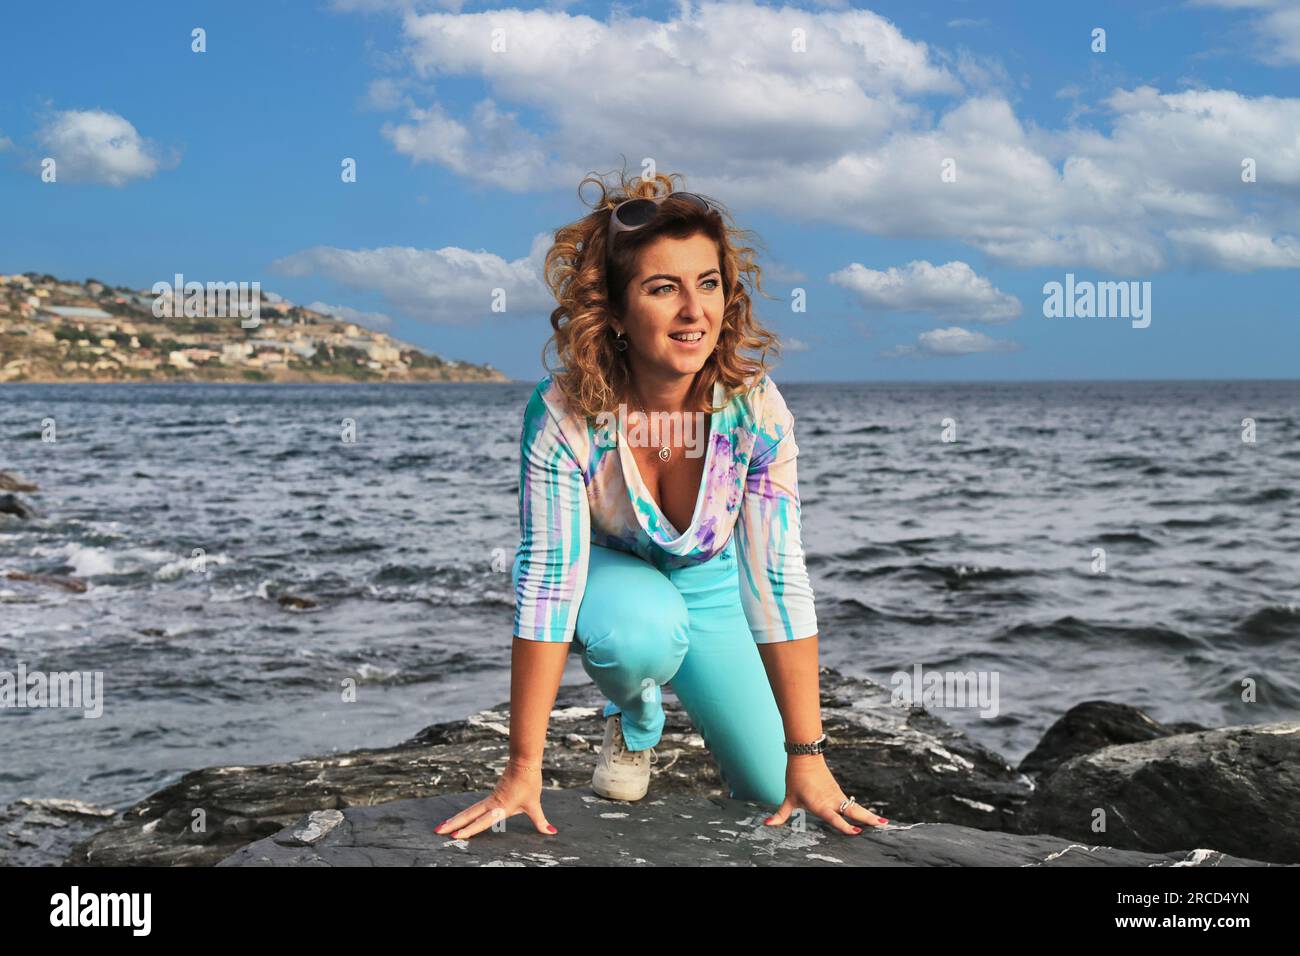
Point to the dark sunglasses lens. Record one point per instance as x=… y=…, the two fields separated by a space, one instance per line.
x=637 y=212
x=698 y=201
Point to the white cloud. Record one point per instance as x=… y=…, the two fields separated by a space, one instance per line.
x=854 y=132
x=1238 y=250
x=779 y=272
x=952 y=342
x=790 y=344
x=371 y=320
x=6 y=143
x=1277 y=28
x=384 y=94
x=97 y=146
x=725 y=101
x=447 y=286
x=950 y=291
x=494 y=148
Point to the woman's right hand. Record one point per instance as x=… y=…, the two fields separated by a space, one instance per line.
x=518 y=791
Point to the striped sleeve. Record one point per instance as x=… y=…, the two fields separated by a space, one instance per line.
x=774 y=588
x=550 y=569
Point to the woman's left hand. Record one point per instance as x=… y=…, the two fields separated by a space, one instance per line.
x=809 y=784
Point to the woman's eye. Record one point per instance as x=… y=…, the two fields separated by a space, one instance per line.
x=712 y=283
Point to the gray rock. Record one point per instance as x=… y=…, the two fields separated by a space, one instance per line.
x=65 y=581
x=11 y=482
x=319 y=823
x=674 y=830
x=903 y=762
x=41 y=832
x=13 y=505
x=1092 y=725
x=1236 y=789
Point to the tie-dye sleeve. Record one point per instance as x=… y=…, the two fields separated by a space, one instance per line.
x=550 y=569
x=774 y=589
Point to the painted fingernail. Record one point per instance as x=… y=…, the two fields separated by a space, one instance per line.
x=857 y=829
x=769 y=819
x=884 y=819
x=551 y=828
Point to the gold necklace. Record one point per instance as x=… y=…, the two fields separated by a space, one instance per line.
x=665 y=452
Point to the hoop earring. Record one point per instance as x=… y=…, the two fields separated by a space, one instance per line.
x=620 y=343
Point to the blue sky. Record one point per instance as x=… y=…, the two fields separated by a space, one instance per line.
x=1117 y=165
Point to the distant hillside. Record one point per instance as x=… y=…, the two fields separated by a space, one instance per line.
x=53 y=330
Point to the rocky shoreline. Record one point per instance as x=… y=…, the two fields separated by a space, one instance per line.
x=1170 y=796
x=1107 y=784
x=465 y=375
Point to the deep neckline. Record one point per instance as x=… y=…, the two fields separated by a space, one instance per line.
x=626 y=458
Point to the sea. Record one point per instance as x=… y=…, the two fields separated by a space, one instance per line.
x=280 y=571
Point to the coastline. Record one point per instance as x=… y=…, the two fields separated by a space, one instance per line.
x=59 y=332
x=286 y=380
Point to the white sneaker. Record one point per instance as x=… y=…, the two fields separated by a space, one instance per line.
x=621 y=774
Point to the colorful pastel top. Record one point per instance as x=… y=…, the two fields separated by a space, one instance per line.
x=579 y=484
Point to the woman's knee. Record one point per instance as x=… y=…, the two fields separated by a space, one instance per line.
x=631 y=613
x=636 y=633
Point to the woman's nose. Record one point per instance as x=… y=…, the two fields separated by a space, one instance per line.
x=693 y=307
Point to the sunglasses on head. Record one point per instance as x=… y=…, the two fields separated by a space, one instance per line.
x=631 y=214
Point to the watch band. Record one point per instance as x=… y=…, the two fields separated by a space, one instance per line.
x=816 y=747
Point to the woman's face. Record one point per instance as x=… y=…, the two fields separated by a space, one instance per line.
x=674 y=308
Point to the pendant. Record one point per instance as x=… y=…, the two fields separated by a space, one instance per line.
x=665 y=453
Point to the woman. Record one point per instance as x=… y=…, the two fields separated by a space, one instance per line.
x=659 y=519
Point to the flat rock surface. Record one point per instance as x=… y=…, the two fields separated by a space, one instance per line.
x=903 y=762
x=673 y=830
x=1163 y=791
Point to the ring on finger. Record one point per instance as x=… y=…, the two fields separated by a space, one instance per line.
x=847 y=803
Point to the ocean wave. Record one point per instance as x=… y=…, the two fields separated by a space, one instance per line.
x=1127 y=462
x=1264 y=496
x=1214 y=521
x=867 y=552
x=182 y=566
x=952 y=577
x=1277 y=622
x=854 y=611
x=1123 y=537
x=1075 y=629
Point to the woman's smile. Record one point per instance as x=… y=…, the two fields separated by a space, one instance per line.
x=688 y=339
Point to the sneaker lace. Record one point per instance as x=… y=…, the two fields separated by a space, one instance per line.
x=620 y=751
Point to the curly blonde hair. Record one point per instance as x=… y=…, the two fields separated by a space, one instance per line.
x=595 y=375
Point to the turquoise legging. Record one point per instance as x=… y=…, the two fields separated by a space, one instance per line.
x=640 y=627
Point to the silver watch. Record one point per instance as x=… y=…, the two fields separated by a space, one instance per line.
x=816 y=747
